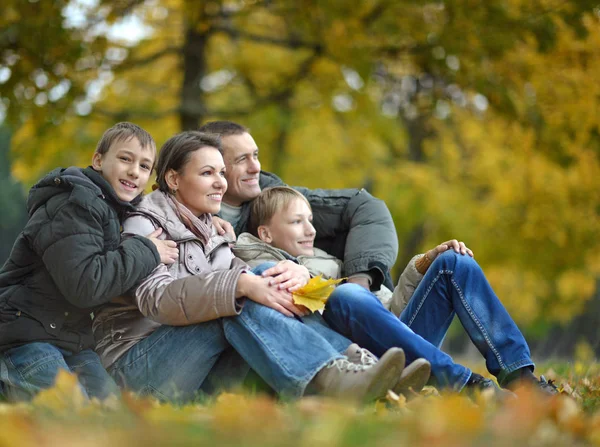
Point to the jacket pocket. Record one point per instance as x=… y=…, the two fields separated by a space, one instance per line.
x=52 y=321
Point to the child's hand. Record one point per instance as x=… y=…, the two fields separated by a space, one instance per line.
x=223 y=227
x=258 y=290
x=287 y=275
x=168 y=251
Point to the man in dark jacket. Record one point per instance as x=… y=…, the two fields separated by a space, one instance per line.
x=351 y=224
x=70 y=259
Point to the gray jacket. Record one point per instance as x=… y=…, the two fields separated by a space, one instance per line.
x=199 y=287
x=351 y=225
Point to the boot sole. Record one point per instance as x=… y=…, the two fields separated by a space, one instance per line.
x=413 y=378
x=389 y=366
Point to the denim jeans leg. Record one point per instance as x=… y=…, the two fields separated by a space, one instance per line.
x=456 y=285
x=172 y=362
x=92 y=375
x=260 y=268
x=334 y=338
x=285 y=352
x=28 y=369
x=358 y=314
x=314 y=320
x=229 y=371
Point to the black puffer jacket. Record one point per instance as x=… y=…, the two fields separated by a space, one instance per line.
x=68 y=260
x=351 y=225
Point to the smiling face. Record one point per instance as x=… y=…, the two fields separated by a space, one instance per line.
x=291 y=229
x=201 y=182
x=243 y=168
x=126 y=166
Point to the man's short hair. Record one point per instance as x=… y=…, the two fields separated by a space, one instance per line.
x=125 y=131
x=223 y=128
x=268 y=202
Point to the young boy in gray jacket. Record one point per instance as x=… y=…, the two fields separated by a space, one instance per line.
x=281 y=227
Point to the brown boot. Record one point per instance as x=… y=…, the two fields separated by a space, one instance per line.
x=413 y=378
x=360 y=356
x=344 y=379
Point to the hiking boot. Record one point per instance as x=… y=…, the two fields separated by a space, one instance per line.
x=527 y=378
x=547 y=386
x=413 y=378
x=344 y=379
x=360 y=356
x=479 y=383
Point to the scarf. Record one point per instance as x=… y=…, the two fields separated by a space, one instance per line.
x=200 y=226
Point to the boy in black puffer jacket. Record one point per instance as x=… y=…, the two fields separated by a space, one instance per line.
x=70 y=259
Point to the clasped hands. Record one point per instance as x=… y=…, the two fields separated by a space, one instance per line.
x=275 y=286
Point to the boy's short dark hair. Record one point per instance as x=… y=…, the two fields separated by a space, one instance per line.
x=124 y=131
x=223 y=128
x=268 y=202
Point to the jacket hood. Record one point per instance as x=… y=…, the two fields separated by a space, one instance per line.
x=61 y=179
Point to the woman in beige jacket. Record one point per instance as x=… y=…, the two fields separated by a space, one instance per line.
x=209 y=309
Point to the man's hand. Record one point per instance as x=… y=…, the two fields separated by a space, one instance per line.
x=453 y=244
x=168 y=251
x=360 y=280
x=223 y=227
x=258 y=290
x=287 y=275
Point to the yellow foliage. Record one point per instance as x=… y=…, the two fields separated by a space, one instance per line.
x=66 y=394
x=315 y=293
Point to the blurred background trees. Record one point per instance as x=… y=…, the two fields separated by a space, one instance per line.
x=474 y=120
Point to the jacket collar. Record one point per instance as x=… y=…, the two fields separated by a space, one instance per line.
x=246 y=243
x=155 y=206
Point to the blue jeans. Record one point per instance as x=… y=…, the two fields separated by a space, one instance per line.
x=173 y=363
x=27 y=369
x=453 y=285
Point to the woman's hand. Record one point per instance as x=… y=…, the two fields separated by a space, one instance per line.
x=287 y=275
x=223 y=227
x=453 y=244
x=167 y=249
x=258 y=290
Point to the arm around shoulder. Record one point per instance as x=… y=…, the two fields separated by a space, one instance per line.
x=72 y=247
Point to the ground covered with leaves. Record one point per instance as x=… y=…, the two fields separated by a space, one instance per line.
x=60 y=416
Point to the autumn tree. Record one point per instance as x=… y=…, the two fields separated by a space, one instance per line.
x=472 y=120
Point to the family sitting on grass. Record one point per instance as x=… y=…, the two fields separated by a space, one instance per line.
x=148 y=292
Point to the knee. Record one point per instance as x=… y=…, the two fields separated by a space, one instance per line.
x=350 y=296
x=450 y=260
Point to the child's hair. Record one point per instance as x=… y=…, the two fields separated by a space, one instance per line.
x=177 y=151
x=125 y=131
x=268 y=202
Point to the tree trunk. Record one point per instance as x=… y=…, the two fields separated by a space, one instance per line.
x=192 y=107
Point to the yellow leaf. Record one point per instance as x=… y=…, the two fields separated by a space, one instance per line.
x=314 y=295
x=66 y=393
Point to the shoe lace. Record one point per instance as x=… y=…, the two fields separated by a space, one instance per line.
x=366 y=357
x=343 y=364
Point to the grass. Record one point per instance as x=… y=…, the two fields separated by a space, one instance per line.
x=60 y=416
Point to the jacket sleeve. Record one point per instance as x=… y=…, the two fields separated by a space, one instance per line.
x=189 y=300
x=184 y=301
x=72 y=250
x=409 y=281
x=361 y=228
